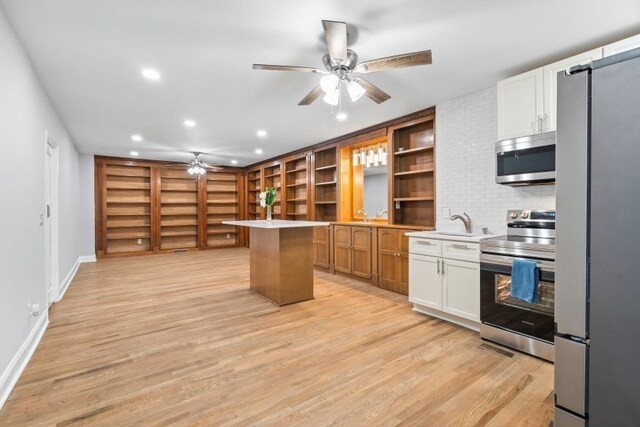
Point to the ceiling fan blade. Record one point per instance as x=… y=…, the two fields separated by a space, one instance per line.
x=288 y=68
x=311 y=96
x=335 y=34
x=397 y=61
x=373 y=92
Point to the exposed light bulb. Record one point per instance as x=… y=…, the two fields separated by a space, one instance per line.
x=363 y=157
x=355 y=90
x=329 y=83
x=341 y=116
x=356 y=158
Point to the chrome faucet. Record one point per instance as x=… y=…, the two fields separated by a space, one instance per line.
x=363 y=212
x=381 y=212
x=465 y=219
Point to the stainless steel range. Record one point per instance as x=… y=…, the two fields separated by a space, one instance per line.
x=524 y=326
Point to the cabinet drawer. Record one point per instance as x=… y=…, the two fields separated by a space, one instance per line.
x=422 y=246
x=462 y=251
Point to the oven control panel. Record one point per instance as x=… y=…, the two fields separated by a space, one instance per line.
x=515 y=215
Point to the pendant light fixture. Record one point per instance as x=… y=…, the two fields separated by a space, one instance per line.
x=370 y=156
x=196 y=166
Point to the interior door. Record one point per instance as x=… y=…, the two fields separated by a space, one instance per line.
x=321 y=247
x=388 y=251
x=361 y=252
x=342 y=248
x=47 y=225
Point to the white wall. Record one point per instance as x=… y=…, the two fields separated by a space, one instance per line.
x=25 y=115
x=466 y=132
x=86 y=232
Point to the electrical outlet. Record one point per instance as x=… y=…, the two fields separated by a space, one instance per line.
x=139 y=241
x=228 y=236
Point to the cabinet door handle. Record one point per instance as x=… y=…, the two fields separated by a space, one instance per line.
x=424 y=243
x=438 y=267
x=443 y=267
x=539 y=124
x=546 y=122
x=457 y=246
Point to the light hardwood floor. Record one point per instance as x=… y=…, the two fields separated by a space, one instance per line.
x=179 y=339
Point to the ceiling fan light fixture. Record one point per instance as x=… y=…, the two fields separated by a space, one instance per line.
x=329 y=83
x=332 y=98
x=355 y=90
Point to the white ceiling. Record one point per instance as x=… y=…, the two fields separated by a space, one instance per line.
x=89 y=53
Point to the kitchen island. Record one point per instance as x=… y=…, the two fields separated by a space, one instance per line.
x=281 y=259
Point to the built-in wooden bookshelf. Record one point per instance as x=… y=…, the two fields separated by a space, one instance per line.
x=223 y=204
x=325 y=183
x=273 y=179
x=412 y=178
x=143 y=206
x=127 y=194
x=296 y=192
x=254 y=187
x=178 y=209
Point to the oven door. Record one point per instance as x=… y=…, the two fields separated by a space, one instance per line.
x=498 y=308
x=527 y=161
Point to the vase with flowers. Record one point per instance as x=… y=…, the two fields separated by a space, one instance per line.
x=267 y=200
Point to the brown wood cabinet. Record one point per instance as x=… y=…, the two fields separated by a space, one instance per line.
x=322 y=247
x=393 y=260
x=353 y=250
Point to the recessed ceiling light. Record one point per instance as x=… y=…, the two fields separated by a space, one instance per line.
x=134 y=153
x=341 y=117
x=151 y=74
x=259 y=151
x=136 y=138
x=261 y=133
x=190 y=123
x=234 y=162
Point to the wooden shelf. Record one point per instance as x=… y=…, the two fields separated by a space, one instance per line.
x=297 y=200
x=319 y=184
x=296 y=213
x=217 y=232
x=413 y=150
x=222 y=202
x=297 y=170
x=326 y=203
x=322 y=168
x=414 y=172
x=297 y=185
x=412 y=199
x=272 y=175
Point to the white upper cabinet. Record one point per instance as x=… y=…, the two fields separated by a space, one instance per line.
x=520 y=104
x=551 y=84
x=622 y=46
x=527 y=102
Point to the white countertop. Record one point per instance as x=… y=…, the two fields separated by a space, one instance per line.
x=277 y=223
x=444 y=235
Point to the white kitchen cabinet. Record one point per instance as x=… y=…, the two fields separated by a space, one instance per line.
x=550 y=82
x=527 y=103
x=461 y=287
x=425 y=283
x=520 y=104
x=446 y=285
x=621 y=46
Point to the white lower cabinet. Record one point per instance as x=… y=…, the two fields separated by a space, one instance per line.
x=461 y=289
x=425 y=283
x=445 y=287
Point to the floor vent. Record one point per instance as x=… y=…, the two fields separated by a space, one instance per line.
x=496 y=350
x=177 y=251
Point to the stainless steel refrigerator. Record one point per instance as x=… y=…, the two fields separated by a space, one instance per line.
x=597 y=311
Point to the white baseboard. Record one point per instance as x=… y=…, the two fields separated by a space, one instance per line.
x=72 y=273
x=469 y=324
x=11 y=374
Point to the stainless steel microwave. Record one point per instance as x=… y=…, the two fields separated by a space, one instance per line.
x=528 y=160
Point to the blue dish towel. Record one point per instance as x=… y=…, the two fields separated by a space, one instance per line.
x=524 y=280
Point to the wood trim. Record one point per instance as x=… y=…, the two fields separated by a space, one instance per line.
x=155 y=186
x=342 y=140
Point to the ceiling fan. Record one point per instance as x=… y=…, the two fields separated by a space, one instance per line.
x=195 y=166
x=341 y=67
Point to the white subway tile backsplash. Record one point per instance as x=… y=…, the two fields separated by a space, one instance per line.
x=466 y=132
